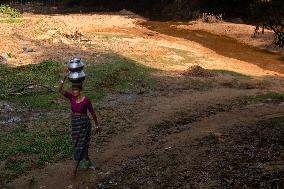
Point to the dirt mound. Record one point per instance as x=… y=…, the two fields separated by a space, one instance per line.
x=198 y=71
x=126 y=12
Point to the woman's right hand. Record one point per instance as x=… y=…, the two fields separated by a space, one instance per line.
x=98 y=130
x=66 y=73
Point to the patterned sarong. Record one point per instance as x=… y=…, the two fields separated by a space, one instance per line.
x=81 y=134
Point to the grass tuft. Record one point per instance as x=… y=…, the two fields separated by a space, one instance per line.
x=231 y=73
x=10 y=21
x=268 y=97
x=277 y=120
x=110 y=36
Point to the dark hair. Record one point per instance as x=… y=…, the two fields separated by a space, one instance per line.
x=77 y=86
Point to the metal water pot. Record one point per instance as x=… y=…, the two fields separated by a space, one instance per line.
x=75 y=65
x=77 y=77
x=76 y=74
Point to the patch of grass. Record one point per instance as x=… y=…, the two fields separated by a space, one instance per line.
x=231 y=73
x=31 y=145
x=182 y=53
x=163 y=60
x=268 y=97
x=166 y=61
x=10 y=55
x=183 y=57
x=117 y=75
x=110 y=36
x=277 y=120
x=10 y=21
x=47 y=73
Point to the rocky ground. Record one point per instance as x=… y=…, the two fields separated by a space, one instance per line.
x=206 y=121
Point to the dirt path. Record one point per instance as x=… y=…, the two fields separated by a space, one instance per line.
x=196 y=114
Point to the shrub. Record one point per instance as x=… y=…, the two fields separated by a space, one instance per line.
x=7 y=11
x=270 y=15
x=211 y=18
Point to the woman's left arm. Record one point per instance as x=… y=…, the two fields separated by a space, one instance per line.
x=95 y=118
x=94 y=115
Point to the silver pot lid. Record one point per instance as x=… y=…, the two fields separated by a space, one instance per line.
x=75 y=60
x=75 y=63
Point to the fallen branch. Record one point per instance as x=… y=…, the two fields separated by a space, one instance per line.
x=25 y=88
x=21 y=89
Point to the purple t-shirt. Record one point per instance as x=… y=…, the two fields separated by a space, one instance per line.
x=79 y=107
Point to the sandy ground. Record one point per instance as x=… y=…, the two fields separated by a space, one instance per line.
x=163 y=137
x=241 y=32
x=48 y=35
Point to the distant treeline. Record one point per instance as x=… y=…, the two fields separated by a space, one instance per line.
x=170 y=8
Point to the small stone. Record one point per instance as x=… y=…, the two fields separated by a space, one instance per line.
x=5 y=107
x=28 y=49
x=100 y=186
x=168 y=148
x=3 y=59
x=5 y=55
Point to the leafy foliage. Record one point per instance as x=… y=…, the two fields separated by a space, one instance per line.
x=270 y=14
x=7 y=11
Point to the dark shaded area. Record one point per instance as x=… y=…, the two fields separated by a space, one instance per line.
x=248 y=156
x=162 y=9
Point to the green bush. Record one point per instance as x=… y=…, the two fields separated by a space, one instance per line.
x=270 y=15
x=7 y=11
